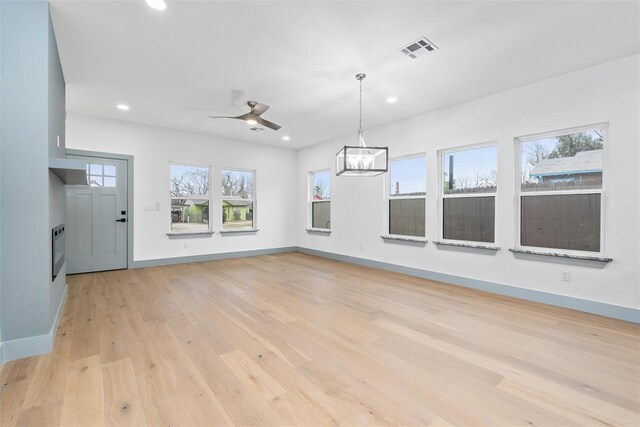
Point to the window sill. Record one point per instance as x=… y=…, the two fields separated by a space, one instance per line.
x=190 y=233
x=560 y=255
x=240 y=231
x=467 y=245
x=318 y=230
x=404 y=239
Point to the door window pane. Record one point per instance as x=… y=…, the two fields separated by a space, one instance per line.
x=101 y=175
x=95 y=169
x=95 y=181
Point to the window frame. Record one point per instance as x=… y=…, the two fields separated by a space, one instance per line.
x=519 y=141
x=253 y=200
x=311 y=201
x=209 y=198
x=386 y=218
x=441 y=194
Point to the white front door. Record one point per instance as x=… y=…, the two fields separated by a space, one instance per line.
x=96 y=227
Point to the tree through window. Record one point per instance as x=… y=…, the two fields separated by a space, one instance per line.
x=320 y=204
x=238 y=200
x=189 y=192
x=561 y=181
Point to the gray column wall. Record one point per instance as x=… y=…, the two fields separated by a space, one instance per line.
x=32 y=109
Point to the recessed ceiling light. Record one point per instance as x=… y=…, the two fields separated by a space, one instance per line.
x=123 y=107
x=286 y=138
x=392 y=100
x=156 y=4
x=252 y=122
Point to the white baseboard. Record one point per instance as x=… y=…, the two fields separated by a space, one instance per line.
x=32 y=346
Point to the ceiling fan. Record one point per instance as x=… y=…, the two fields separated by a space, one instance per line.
x=253 y=117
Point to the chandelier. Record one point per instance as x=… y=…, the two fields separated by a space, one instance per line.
x=360 y=160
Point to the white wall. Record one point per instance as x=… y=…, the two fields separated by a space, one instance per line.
x=153 y=148
x=605 y=93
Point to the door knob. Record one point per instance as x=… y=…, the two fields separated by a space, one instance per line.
x=121 y=220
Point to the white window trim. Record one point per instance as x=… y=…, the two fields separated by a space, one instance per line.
x=208 y=198
x=519 y=141
x=387 y=196
x=254 y=225
x=311 y=201
x=442 y=195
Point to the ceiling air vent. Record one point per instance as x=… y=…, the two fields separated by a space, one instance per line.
x=418 y=48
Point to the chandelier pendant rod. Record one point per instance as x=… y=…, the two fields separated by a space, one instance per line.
x=360 y=77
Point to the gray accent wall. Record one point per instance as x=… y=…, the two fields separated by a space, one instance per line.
x=56 y=147
x=32 y=199
x=1 y=164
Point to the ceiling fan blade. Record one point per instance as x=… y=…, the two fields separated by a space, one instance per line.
x=268 y=124
x=257 y=108
x=242 y=117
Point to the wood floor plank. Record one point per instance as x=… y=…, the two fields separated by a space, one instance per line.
x=15 y=379
x=12 y=396
x=292 y=339
x=193 y=391
x=51 y=372
x=123 y=406
x=252 y=376
x=83 y=403
x=47 y=414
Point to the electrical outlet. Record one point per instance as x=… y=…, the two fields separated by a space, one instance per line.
x=185 y=245
x=565 y=276
x=361 y=247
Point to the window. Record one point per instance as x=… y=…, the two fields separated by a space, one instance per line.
x=238 y=199
x=189 y=190
x=469 y=187
x=407 y=186
x=561 y=176
x=101 y=175
x=320 y=199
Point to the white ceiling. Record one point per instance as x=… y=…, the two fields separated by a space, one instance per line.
x=176 y=67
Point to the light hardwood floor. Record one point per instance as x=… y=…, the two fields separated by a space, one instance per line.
x=293 y=339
